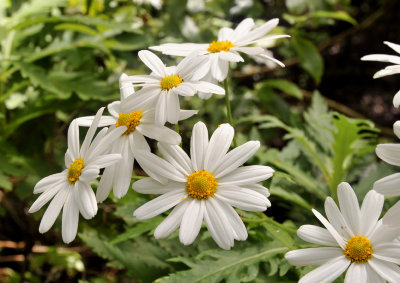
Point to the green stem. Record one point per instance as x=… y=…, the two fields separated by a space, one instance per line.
x=177 y=130
x=228 y=109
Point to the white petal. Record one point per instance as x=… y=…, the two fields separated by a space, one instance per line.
x=250 y=50
x=159 y=204
x=88 y=120
x=389 y=153
x=179 y=49
x=49 y=181
x=236 y=157
x=73 y=138
x=138 y=142
x=258 y=188
x=389 y=185
x=85 y=200
x=189 y=65
x=98 y=140
x=54 y=209
x=236 y=223
x=89 y=174
x=68 y=159
x=150 y=186
x=389 y=70
x=224 y=34
x=207 y=87
x=272 y=59
x=173 y=108
x=203 y=70
x=370 y=211
x=126 y=89
x=172 y=222
x=220 y=142
x=242 y=29
x=356 y=273
x=394 y=46
x=246 y=175
x=159 y=133
x=175 y=155
x=90 y=133
x=132 y=81
x=391 y=217
x=185 y=89
x=396 y=100
x=47 y=195
x=382 y=58
x=384 y=233
x=185 y=114
x=258 y=32
x=330 y=228
x=114 y=108
x=242 y=198
x=153 y=62
x=191 y=221
x=230 y=56
x=327 y=272
x=219 y=68
x=198 y=145
x=103 y=161
x=70 y=220
x=218 y=225
x=123 y=171
x=388 y=252
x=313 y=256
x=105 y=184
x=349 y=206
x=316 y=235
x=161 y=109
x=141 y=99
x=387 y=270
x=337 y=220
x=373 y=277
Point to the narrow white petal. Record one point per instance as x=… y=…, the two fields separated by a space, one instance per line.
x=218 y=67
x=238 y=228
x=89 y=174
x=150 y=186
x=349 y=206
x=179 y=49
x=185 y=114
x=242 y=198
x=54 y=208
x=391 y=217
x=220 y=142
x=173 y=108
x=388 y=252
x=384 y=233
x=327 y=272
x=258 y=32
x=382 y=58
x=153 y=62
x=189 y=65
x=70 y=220
x=185 y=89
x=250 y=50
x=159 y=133
x=394 y=46
x=236 y=157
x=159 y=204
x=313 y=256
x=73 y=138
x=331 y=229
x=373 y=277
x=68 y=159
x=230 y=56
x=389 y=70
x=389 y=153
x=172 y=222
x=161 y=109
x=225 y=34
x=90 y=133
x=105 y=184
x=49 y=181
x=103 y=161
x=389 y=185
x=123 y=171
x=99 y=139
x=337 y=220
x=85 y=200
x=103 y=145
x=47 y=195
x=242 y=29
x=141 y=79
x=396 y=100
x=203 y=70
x=141 y=99
x=370 y=211
x=316 y=235
x=138 y=142
x=88 y=120
x=387 y=270
x=272 y=59
x=126 y=89
x=258 y=188
x=191 y=222
x=198 y=145
x=207 y=87
x=114 y=108
x=175 y=155
x=356 y=273
x=246 y=175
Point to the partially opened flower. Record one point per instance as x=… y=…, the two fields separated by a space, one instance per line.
x=163 y=86
x=389 y=70
x=139 y=118
x=226 y=49
x=205 y=186
x=390 y=153
x=354 y=239
x=71 y=188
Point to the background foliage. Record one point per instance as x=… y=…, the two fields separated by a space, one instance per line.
x=62 y=59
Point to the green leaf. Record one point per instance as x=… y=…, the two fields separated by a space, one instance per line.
x=284 y=86
x=336 y=15
x=76 y=27
x=279 y=234
x=229 y=264
x=310 y=59
x=5 y=182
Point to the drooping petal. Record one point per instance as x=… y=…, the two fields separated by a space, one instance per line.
x=191 y=222
x=150 y=186
x=85 y=199
x=198 y=145
x=159 y=204
x=70 y=220
x=185 y=114
x=313 y=256
x=316 y=235
x=105 y=184
x=172 y=222
x=161 y=109
x=331 y=229
x=47 y=195
x=159 y=133
x=202 y=86
x=123 y=171
x=49 y=181
x=394 y=46
x=173 y=107
x=382 y=58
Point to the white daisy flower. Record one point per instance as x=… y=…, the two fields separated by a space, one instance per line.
x=390 y=153
x=138 y=116
x=219 y=53
x=355 y=241
x=71 y=188
x=205 y=186
x=389 y=70
x=164 y=84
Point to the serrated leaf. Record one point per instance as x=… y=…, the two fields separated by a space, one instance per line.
x=76 y=27
x=279 y=234
x=309 y=56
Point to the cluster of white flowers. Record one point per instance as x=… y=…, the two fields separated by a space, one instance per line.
x=205 y=186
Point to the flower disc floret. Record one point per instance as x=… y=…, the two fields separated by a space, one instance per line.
x=171 y=81
x=218 y=46
x=201 y=185
x=358 y=249
x=130 y=120
x=75 y=170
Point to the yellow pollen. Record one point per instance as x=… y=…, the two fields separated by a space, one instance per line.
x=75 y=170
x=358 y=249
x=169 y=82
x=130 y=120
x=201 y=185
x=218 y=46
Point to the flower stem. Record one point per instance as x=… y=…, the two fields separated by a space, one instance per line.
x=177 y=130
x=228 y=109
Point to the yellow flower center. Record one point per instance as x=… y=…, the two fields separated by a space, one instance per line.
x=130 y=120
x=201 y=185
x=75 y=170
x=358 y=249
x=169 y=82
x=218 y=46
